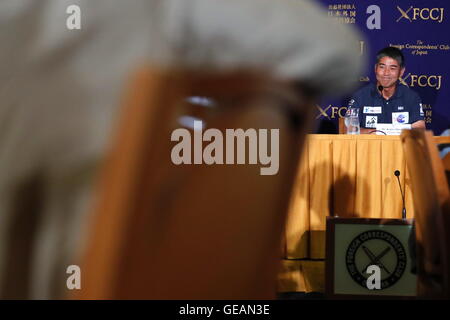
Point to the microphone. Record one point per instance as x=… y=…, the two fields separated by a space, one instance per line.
x=397 y=174
x=380 y=88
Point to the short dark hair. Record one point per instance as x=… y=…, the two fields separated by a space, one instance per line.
x=392 y=52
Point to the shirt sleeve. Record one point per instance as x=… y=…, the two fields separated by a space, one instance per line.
x=417 y=113
x=353 y=103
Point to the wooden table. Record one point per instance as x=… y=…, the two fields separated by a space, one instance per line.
x=345 y=176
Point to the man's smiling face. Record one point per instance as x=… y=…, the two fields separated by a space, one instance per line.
x=388 y=71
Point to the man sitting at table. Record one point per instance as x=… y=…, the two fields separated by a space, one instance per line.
x=387 y=101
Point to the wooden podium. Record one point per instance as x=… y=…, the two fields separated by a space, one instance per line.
x=348 y=176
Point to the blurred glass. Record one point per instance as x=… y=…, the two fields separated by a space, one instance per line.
x=352 y=121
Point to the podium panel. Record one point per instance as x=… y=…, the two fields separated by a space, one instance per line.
x=354 y=245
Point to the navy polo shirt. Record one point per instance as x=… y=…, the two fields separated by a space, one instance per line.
x=403 y=107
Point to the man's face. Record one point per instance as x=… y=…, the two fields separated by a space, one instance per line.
x=388 y=71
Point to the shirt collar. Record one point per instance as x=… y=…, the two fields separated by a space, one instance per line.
x=397 y=94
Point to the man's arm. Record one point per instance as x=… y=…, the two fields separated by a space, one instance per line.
x=368 y=131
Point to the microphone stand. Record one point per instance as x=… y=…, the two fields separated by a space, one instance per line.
x=397 y=174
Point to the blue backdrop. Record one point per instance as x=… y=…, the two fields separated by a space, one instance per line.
x=421 y=29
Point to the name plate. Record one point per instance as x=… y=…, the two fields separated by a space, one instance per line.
x=391 y=129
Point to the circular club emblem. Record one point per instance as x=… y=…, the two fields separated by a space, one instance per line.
x=380 y=248
x=401 y=119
